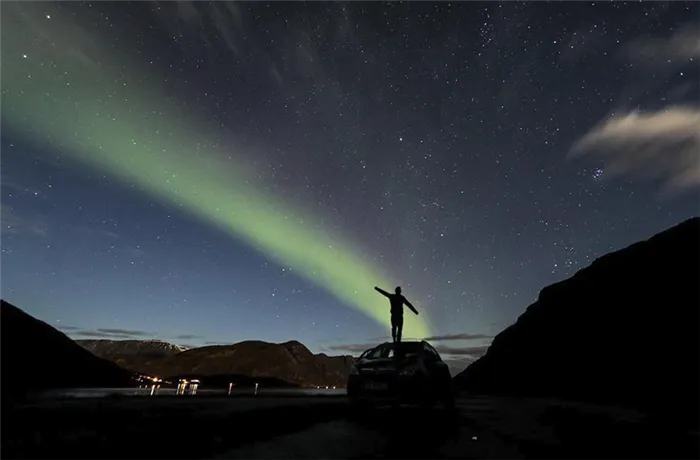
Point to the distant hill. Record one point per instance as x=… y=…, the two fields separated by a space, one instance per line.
x=625 y=330
x=128 y=352
x=283 y=364
x=36 y=356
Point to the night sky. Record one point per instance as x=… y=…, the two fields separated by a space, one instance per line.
x=215 y=172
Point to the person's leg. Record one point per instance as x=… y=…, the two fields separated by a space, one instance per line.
x=396 y=321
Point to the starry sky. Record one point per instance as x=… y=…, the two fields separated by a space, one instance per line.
x=215 y=172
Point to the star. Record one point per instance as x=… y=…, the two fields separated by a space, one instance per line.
x=273 y=162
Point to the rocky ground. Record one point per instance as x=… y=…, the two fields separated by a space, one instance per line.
x=324 y=427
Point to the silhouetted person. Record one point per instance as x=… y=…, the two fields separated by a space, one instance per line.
x=397 y=301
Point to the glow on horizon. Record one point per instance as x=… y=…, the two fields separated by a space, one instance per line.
x=79 y=98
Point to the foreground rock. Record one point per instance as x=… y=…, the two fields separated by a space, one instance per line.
x=624 y=331
x=36 y=356
x=278 y=364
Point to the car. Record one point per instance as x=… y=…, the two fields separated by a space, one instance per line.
x=409 y=372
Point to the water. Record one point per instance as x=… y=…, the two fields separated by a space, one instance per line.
x=146 y=391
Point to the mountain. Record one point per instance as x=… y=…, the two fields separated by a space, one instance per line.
x=625 y=330
x=127 y=353
x=289 y=363
x=36 y=356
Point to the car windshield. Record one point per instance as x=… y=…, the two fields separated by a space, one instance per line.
x=403 y=349
x=365 y=353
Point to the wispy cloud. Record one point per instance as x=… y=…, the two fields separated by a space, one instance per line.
x=679 y=48
x=463 y=336
x=191 y=16
x=662 y=145
x=187 y=337
x=91 y=230
x=124 y=331
x=16 y=224
x=350 y=347
x=475 y=352
x=7 y=182
x=100 y=335
x=113 y=333
x=74 y=43
x=134 y=252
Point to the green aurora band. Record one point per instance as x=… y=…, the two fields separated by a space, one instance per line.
x=111 y=119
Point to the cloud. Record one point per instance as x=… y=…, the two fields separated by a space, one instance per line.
x=663 y=145
x=227 y=19
x=16 y=224
x=475 y=352
x=124 y=331
x=463 y=336
x=69 y=328
x=351 y=347
x=677 y=49
x=6 y=182
x=187 y=336
x=134 y=252
x=101 y=335
x=223 y=21
x=91 y=230
x=72 y=43
x=111 y=333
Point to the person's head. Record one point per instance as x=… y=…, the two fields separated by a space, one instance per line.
x=398 y=289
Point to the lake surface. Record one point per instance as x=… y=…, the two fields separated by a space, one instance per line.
x=149 y=391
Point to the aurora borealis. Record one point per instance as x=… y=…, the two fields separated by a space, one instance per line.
x=214 y=172
x=121 y=137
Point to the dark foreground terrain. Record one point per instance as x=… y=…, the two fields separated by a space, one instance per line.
x=324 y=427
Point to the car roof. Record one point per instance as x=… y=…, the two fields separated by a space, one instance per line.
x=407 y=342
x=391 y=344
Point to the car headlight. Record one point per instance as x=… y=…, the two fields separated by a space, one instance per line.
x=354 y=371
x=408 y=371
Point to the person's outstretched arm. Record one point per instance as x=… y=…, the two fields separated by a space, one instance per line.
x=408 y=304
x=381 y=291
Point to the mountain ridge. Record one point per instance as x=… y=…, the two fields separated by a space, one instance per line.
x=37 y=356
x=590 y=336
x=289 y=361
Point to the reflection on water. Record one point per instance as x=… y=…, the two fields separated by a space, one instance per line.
x=148 y=391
